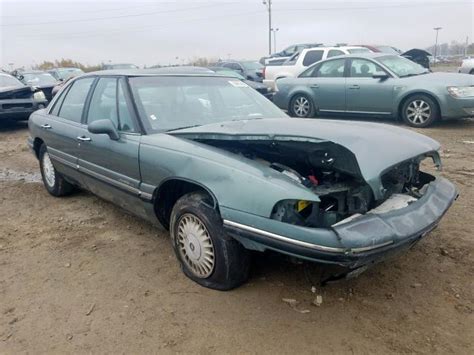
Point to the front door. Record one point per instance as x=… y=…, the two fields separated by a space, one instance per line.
x=111 y=167
x=365 y=94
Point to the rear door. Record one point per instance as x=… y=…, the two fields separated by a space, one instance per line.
x=327 y=85
x=365 y=94
x=111 y=167
x=63 y=125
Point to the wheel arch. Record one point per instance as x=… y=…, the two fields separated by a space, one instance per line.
x=406 y=97
x=170 y=191
x=302 y=91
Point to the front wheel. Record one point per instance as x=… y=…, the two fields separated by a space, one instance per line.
x=206 y=254
x=420 y=111
x=301 y=106
x=52 y=180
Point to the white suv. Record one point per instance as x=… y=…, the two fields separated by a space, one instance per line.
x=296 y=64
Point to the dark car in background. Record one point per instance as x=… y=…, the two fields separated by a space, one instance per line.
x=249 y=69
x=261 y=88
x=17 y=100
x=65 y=73
x=40 y=79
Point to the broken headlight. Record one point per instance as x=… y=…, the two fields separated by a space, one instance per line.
x=39 y=96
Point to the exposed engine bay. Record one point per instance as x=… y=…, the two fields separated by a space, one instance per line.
x=332 y=173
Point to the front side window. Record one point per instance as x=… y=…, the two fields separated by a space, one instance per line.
x=362 y=68
x=312 y=57
x=73 y=104
x=330 y=69
x=104 y=102
x=167 y=103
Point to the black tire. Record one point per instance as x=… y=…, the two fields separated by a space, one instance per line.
x=471 y=72
x=60 y=187
x=231 y=260
x=428 y=111
x=298 y=100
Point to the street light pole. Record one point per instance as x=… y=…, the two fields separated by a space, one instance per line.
x=436 y=42
x=275 y=30
x=268 y=4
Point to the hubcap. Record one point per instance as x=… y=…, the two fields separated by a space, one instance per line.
x=301 y=106
x=195 y=245
x=48 y=170
x=418 y=111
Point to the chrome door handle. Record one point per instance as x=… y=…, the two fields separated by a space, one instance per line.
x=46 y=126
x=354 y=87
x=315 y=86
x=84 y=139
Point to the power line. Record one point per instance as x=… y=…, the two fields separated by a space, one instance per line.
x=129 y=30
x=108 y=17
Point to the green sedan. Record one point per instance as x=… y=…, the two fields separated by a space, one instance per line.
x=378 y=85
x=227 y=172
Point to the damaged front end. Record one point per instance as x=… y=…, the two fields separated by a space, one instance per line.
x=354 y=219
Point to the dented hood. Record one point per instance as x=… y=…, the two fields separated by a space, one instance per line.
x=376 y=147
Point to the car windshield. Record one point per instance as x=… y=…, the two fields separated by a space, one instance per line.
x=171 y=102
x=38 y=79
x=401 y=66
x=358 y=50
x=9 y=81
x=252 y=65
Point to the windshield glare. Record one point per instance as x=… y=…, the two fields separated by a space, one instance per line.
x=168 y=103
x=9 y=81
x=39 y=79
x=402 y=66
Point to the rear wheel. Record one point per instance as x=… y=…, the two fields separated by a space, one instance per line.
x=206 y=254
x=301 y=106
x=52 y=180
x=420 y=111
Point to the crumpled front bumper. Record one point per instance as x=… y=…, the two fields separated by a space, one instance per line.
x=358 y=242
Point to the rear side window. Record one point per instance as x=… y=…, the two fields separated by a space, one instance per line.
x=335 y=52
x=312 y=57
x=74 y=101
x=330 y=69
x=58 y=103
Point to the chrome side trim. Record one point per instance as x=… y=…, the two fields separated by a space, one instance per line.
x=284 y=239
x=118 y=184
x=305 y=244
x=365 y=112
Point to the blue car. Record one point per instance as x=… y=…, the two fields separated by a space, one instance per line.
x=377 y=84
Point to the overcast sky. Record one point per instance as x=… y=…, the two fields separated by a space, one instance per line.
x=158 y=32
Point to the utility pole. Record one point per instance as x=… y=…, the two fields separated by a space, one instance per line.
x=436 y=42
x=275 y=30
x=268 y=4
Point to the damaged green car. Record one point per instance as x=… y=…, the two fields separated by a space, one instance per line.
x=227 y=172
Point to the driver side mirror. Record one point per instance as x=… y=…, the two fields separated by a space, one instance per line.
x=380 y=75
x=104 y=127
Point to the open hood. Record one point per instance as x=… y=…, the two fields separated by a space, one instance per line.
x=376 y=147
x=415 y=52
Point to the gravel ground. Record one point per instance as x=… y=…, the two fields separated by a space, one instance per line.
x=79 y=275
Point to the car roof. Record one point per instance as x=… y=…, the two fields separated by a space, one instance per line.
x=32 y=72
x=179 y=71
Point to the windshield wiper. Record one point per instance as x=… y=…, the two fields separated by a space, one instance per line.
x=413 y=74
x=184 y=127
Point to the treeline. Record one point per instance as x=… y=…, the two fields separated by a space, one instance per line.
x=68 y=63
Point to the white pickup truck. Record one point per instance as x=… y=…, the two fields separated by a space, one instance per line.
x=296 y=64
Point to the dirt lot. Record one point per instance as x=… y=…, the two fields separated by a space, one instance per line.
x=78 y=275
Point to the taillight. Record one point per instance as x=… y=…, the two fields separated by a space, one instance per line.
x=263 y=72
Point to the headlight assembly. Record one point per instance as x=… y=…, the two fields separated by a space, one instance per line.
x=461 y=91
x=39 y=96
